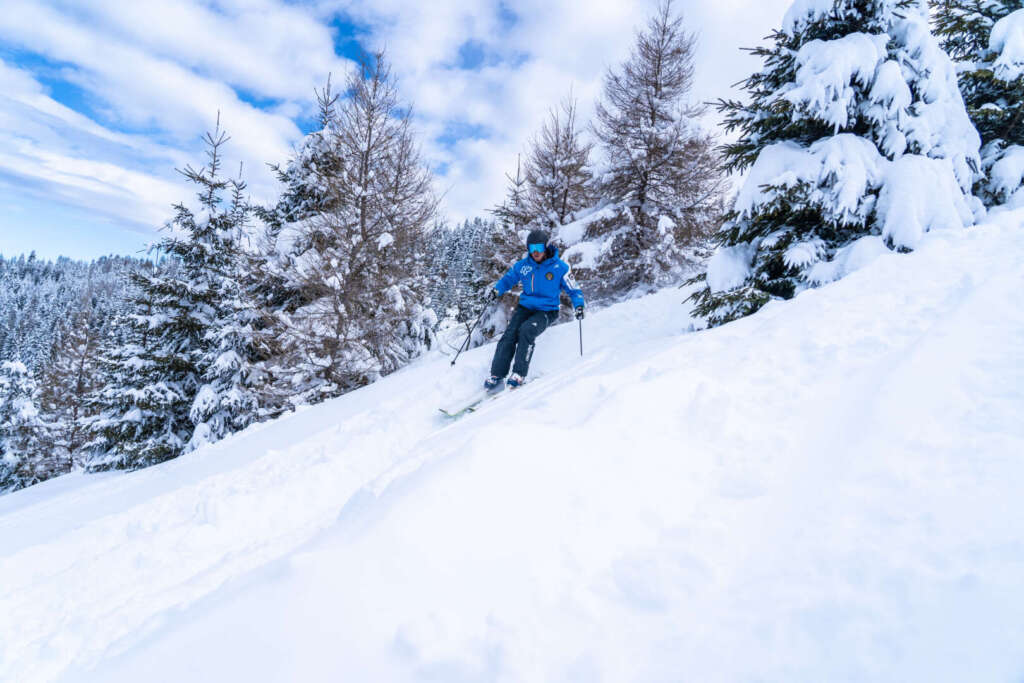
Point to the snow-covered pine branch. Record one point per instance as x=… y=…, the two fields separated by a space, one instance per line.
x=986 y=39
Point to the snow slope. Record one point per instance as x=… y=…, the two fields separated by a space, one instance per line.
x=827 y=490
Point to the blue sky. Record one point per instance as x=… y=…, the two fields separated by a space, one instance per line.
x=101 y=100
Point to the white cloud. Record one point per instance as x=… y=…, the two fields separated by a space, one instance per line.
x=102 y=186
x=164 y=69
x=19 y=87
x=69 y=157
x=553 y=45
x=143 y=90
x=264 y=46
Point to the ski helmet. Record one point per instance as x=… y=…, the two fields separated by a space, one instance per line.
x=537 y=237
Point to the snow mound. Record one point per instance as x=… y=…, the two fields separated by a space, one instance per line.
x=730 y=266
x=848 y=259
x=1007 y=174
x=1007 y=39
x=919 y=195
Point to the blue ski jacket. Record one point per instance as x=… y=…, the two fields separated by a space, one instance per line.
x=541 y=282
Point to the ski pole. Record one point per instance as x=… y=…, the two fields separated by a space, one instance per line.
x=581 y=337
x=465 y=344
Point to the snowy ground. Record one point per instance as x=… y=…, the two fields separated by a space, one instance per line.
x=828 y=490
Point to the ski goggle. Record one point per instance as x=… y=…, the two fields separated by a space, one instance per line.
x=538 y=248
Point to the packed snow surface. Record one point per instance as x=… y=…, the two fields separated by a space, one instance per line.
x=827 y=490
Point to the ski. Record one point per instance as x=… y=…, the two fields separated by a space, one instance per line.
x=470 y=404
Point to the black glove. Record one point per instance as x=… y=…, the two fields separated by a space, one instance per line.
x=579 y=313
x=492 y=295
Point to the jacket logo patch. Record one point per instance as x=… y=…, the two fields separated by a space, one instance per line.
x=550 y=276
x=525 y=270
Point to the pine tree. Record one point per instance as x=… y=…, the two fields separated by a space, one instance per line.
x=227 y=400
x=662 y=173
x=22 y=431
x=306 y=192
x=557 y=176
x=977 y=34
x=128 y=405
x=503 y=246
x=513 y=212
x=56 y=312
x=38 y=298
x=67 y=382
x=440 y=251
x=498 y=248
x=180 y=376
x=307 y=176
x=479 y=252
x=854 y=128
x=359 y=259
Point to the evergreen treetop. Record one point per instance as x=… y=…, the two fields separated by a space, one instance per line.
x=854 y=127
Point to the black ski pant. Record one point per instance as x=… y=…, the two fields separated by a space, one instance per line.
x=518 y=340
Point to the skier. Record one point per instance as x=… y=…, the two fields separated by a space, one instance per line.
x=543 y=275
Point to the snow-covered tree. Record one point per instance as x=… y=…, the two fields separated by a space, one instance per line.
x=181 y=376
x=38 y=298
x=307 y=176
x=855 y=137
x=473 y=257
x=358 y=260
x=22 y=431
x=126 y=413
x=67 y=381
x=500 y=246
x=986 y=38
x=57 y=313
x=513 y=212
x=458 y=269
x=270 y=280
x=305 y=181
x=227 y=400
x=660 y=169
x=557 y=176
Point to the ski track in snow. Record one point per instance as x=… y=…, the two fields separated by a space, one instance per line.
x=827 y=490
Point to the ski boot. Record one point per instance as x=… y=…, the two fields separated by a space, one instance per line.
x=493 y=383
x=515 y=380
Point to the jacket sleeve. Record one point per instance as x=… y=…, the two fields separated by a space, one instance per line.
x=569 y=286
x=508 y=280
